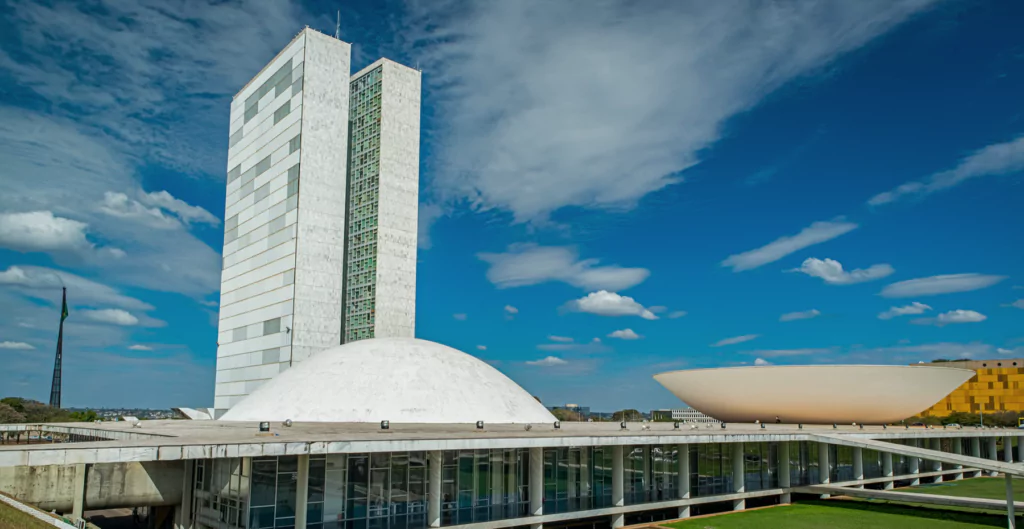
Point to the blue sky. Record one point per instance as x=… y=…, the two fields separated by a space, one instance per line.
x=607 y=190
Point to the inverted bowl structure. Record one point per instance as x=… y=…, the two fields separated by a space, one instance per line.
x=814 y=394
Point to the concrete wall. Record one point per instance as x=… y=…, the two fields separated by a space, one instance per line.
x=107 y=485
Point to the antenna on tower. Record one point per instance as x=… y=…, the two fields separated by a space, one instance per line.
x=337 y=27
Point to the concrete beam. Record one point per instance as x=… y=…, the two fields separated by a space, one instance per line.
x=537 y=484
x=434 y=481
x=911 y=497
x=683 y=478
x=302 y=491
x=784 y=473
x=739 y=476
x=986 y=464
x=78 y=501
x=618 y=486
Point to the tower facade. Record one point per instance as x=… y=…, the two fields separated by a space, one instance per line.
x=305 y=223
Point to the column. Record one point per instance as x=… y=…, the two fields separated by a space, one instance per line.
x=586 y=501
x=823 y=470
x=784 y=477
x=1008 y=449
x=936 y=445
x=78 y=502
x=993 y=451
x=958 y=449
x=536 y=484
x=301 y=490
x=915 y=464
x=184 y=520
x=1010 y=515
x=618 y=519
x=435 y=462
x=976 y=452
x=1020 y=450
x=739 y=475
x=858 y=465
x=887 y=470
x=648 y=485
x=683 y=478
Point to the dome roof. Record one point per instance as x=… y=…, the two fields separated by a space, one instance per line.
x=402 y=380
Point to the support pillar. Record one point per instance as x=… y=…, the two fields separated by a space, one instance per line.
x=537 y=484
x=1008 y=449
x=78 y=502
x=823 y=469
x=435 y=464
x=302 y=491
x=585 y=492
x=937 y=465
x=993 y=452
x=915 y=464
x=183 y=519
x=648 y=485
x=887 y=470
x=958 y=449
x=784 y=475
x=1020 y=450
x=739 y=475
x=976 y=452
x=858 y=465
x=683 y=478
x=1011 y=516
x=618 y=486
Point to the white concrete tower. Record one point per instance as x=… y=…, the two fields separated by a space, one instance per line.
x=321 y=212
x=380 y=279
x=284 y=240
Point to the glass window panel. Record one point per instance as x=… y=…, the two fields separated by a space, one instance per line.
x=264 y=479
x=261 y=517
x=287 y=486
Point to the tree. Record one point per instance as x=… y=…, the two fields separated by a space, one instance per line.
x=565 y=415
x=9 y=415
x=84 y=416
x=627 y=415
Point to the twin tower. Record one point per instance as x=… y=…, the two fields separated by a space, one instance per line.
x=321 y=211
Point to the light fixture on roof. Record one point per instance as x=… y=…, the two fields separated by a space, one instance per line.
x=385 y=425
x=558 y=425
x=675 y=425
x=800 y=426
x=835 y=426
x=288 y=423
x=479 y=425
x=762 y=426
x=622 y=425
x=723 y=425
x=861 y=426
x=264 y=427
x=883 y=427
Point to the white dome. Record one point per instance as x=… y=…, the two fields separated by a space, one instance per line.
x=402 y=380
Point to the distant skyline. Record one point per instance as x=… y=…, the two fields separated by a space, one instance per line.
x=606 y=193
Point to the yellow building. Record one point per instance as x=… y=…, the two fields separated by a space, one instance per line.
x=998 y=385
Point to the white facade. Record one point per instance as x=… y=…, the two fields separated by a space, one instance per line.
x=288 y=207
x=692 y=415
x=401 y=380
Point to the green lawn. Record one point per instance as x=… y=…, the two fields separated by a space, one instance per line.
x=11 y=518
x=841 y=514
x=992 y=488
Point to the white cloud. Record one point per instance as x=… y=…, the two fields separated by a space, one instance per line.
x=41 y=231
x=1016 y=351
x=676 y=314
x=186 y=212
x=591 y=347
x=562 y=339
x=529 y=264
x=549 y=361
x=944 y=284
x=1000 y=158
x=459 y=316
x=735 y=340
x=481 y=348
x=953 y=316
x=511 y=310
x=427 y=216
x=803 y=315
x=111 y=316
x=17 y=346
x=140 y=348
x=913 y=308
x=816 y=233
x=607 y=138
x=625 y=334
x=832 y=271
x=779 y=353
x=45 y=283
x=761 y=362
x=604 y=303
x=1018 y=304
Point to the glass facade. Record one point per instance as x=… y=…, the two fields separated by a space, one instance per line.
x=484 y=485
x=390 y=490
x=363 y=201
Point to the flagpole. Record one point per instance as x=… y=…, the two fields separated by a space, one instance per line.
x=55 y=386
